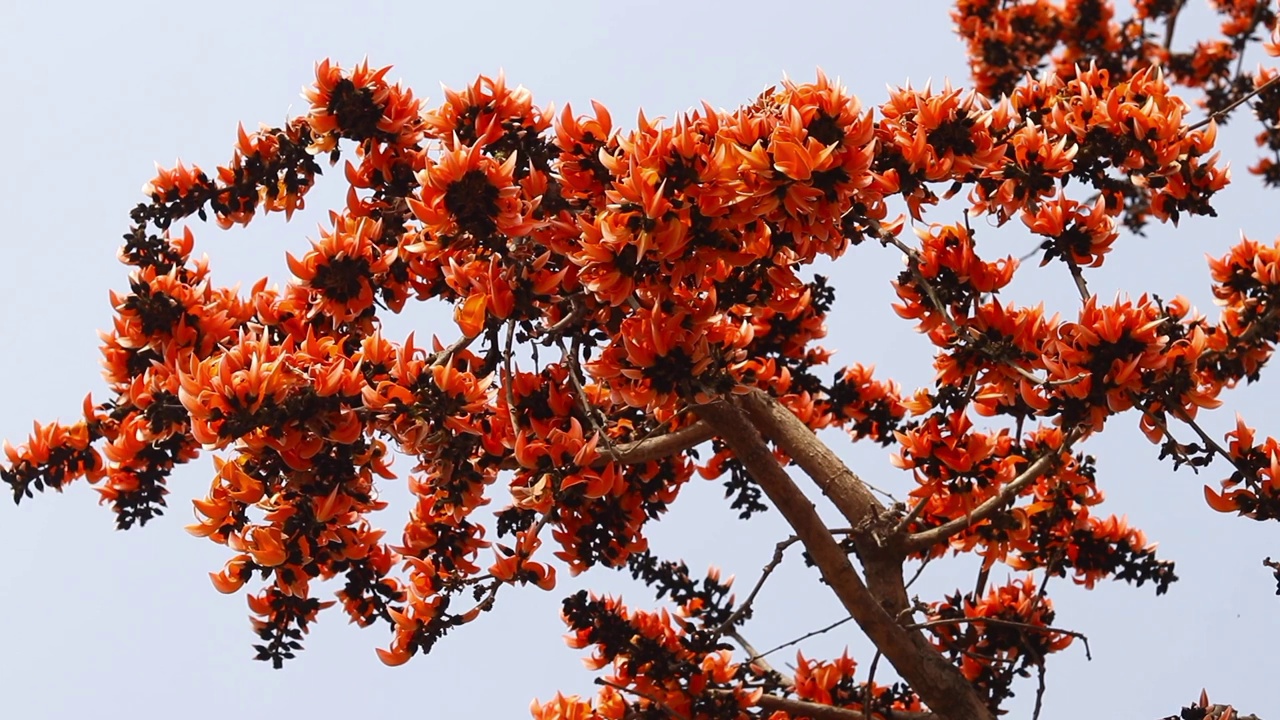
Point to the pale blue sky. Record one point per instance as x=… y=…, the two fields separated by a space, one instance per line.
x=112 y=624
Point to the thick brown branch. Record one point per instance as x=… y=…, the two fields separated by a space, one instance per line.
x=659 y=446
x=847 y=491
x=937 y=682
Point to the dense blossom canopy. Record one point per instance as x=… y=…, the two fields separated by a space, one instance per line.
x=624 y=296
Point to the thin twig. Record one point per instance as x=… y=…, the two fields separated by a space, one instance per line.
x=1204 y=436
x=660 y=426
x=745 y=607
x=817 y=711
x=1211 y=445
x=509 y=385
x=1176 y=447
x=755 y=658
x=1046 y=382
x=1035 y=714
x=1049 y=571
x=548 y=334
x=1088 y=654
x=919 y=571
x=1227 y=110
x=574 y=369
x=803 y=637
x=1171 y=23
x=1078 y=276
x=915 y=513
x=887 y=495
x=980 y=584
x=490 y=595
x=913 y=262
x=640 y=693
x=871 y=677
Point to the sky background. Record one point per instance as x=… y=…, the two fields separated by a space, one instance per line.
x=126 y=624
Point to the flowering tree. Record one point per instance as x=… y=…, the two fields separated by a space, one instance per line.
x=636 y=306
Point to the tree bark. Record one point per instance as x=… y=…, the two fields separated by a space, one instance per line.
x=937 y=681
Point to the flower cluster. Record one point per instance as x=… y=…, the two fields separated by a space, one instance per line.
x=1253 y=490
x=654 y=659
x=606 y=285
x=831 y=682
x=55 y=455
x=997 y=636
x=864 y=406
x=1008 y=40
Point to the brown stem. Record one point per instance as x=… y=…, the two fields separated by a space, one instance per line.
x=1227 y=110
x=869 y=686
x=812 y=633
x=509 y=381
x=1078 y=276
x=847 y=491
x=910 y=517
x=446 y=354
x=577 y=313
x=1204 y=436
x=936 y=680
x=756 y=658
x=652 y=448
x=804 y=708
x=1035 y=713
x=575 y=372
x=940 y=534
x=659 y=446
x=1088 y=654
x=913 y=262
x=1172 y=23
x=778 y=551
x=642 y=694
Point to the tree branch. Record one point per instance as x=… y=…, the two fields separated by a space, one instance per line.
x=778 y=551
x=1227 y=110
x=1088 y=654
x=804 y=708
x=651 y=448
x=442 y=357
x=756 y=658
x=933 y=536
x=850 y=495
x=642 y=694
x=935 y=679
x=659 y=446
x=812 y=633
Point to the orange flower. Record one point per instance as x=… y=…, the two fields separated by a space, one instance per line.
x=468 y=191
x=340 y=269
x=360 y=105
x=233 y=576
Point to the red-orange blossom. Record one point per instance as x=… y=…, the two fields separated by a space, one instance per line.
x=660 y=278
